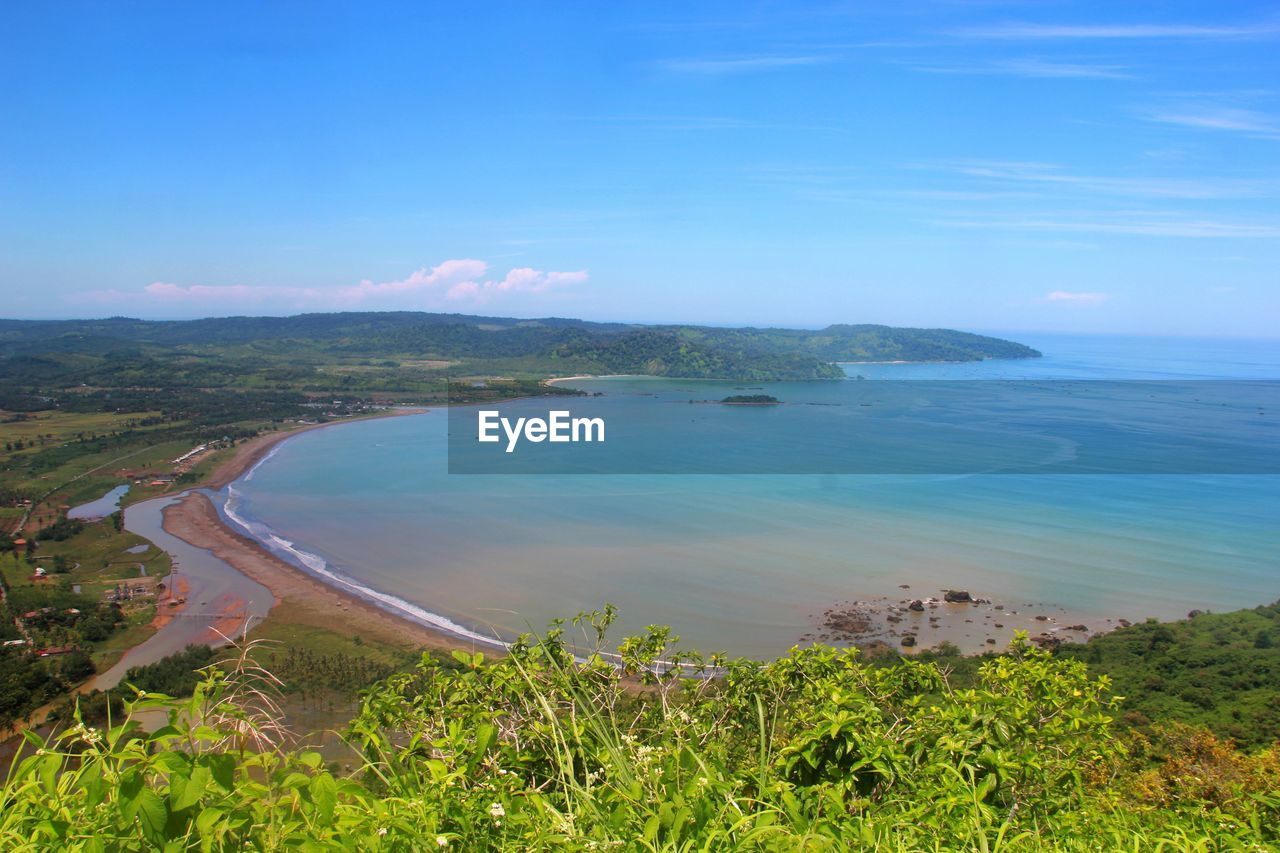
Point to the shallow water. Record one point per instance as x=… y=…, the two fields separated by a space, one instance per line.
x=744 y=563
x=212 y=586
x=100 y=508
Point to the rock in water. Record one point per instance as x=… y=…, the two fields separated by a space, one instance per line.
x=957 y=596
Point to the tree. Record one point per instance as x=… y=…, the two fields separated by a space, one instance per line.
x=76 y=666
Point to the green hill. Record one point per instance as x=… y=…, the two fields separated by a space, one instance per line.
x=403 y=350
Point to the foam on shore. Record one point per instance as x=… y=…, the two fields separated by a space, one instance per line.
x=319 y=566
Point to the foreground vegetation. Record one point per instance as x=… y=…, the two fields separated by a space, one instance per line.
x=539 y=750
x=1217 y=671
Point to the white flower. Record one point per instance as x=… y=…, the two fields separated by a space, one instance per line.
x=442 y=841
x=382 y=830
x=497 y=810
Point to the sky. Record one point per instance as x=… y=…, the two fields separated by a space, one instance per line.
x=1055 y=166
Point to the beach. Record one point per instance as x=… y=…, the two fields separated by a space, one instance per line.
x=310 y=601
x=228 y=584
x=195 y=520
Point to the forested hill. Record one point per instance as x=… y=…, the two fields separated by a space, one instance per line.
x=218 y=352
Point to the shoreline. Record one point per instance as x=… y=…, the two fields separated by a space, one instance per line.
x=878 y=621
x=256 y=449
x=555 y=379
x=195 y=520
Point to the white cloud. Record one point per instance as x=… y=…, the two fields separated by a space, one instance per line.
x=452 y=284
x=1220 y=118
x=236 y=293
x=444 y=277
x=1077 y=297
x=520 y=280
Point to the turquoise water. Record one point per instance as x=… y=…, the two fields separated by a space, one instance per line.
x=741 y=563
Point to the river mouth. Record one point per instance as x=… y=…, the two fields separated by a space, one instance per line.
x=215 y=594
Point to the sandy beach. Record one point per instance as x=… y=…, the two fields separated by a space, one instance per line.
x=557 y=379
x=195 y=520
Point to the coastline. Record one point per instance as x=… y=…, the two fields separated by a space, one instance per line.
x=556 y=379
x=256 y=449
x=310 y=601
x=195 y=520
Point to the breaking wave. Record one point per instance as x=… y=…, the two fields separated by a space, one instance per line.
x=319 y=566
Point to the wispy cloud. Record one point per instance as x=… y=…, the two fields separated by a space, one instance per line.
x=230 y=294
x=674 y=122
x=1033 y=67
x=713 y=66
x=1220 y=118
x=693 y=122
x=1076 y=297
x=1021 y=31
x=453 y=283
x=1030 y=173
x=1168 y=154
x=1133 y=224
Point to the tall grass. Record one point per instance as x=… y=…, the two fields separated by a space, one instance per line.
x=542 y=750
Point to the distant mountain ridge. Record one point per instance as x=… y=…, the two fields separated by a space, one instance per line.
x=119 y=350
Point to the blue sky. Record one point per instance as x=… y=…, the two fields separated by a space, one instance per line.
x=980 y=165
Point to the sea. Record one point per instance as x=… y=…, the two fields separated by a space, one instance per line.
x=746 y=563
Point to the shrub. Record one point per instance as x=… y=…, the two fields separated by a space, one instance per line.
x=648 y=749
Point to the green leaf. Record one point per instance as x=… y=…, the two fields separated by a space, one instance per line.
x=151 y=814
x=196 y=786
x=324 y=793
x=296 y=781
x=314 y=760
x=172 y=762
x=49 y=767
x=92 y=783
x=485 y=737
x=223 y=768
x=130 y=787
x=207 y=820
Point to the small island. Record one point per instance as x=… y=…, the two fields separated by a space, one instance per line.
x=751 y=400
